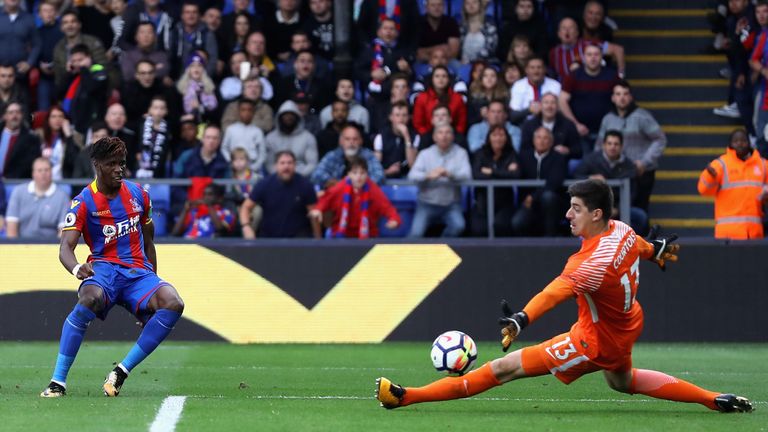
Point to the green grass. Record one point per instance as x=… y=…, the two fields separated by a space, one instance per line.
x=330 y=387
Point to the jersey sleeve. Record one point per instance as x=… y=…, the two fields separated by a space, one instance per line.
x=558 y=291
x=74 y=219
x=146 y=216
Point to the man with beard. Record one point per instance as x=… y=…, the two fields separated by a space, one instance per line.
x=334 y=166
x=290 y=135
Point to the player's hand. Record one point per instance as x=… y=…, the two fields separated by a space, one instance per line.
x=663 y=248
x=85 y=271
x=512 y=324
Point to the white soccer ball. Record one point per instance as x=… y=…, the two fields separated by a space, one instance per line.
x=454 y=352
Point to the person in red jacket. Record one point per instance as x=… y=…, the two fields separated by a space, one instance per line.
x=439 y=91
x=357 y=204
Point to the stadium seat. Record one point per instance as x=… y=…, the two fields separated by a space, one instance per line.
x=160 y=194
x=464 y=71
x=404 y=200
x=8 y=190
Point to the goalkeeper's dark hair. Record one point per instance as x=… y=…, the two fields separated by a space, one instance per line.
x=596 y=194
x=106 y=148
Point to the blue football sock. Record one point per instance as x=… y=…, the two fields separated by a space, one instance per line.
x=72 y=333
x=156 y=329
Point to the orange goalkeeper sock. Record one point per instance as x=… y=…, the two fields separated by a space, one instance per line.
x=662 y=386
x=477 y=381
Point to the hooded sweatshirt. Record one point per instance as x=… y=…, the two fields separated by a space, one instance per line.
x=643 y=138
x=299 y=141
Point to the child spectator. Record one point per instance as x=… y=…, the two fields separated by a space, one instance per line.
x=205 y=218
x=197 y=89
x=245 y=135
x=479 y=36
x=241 y=170
x=153 y=145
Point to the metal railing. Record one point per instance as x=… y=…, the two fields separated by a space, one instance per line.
x=490 y=185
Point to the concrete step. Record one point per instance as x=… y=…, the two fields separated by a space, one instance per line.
x=665 y=44
x=668 y=22
x=714 y=90
x=644 y=70
x=684 y=163
x=675 y=186
x=682 y=210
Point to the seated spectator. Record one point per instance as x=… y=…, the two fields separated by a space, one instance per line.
x=439 y=199
x=393 y=147
x=382 y=57
x=609 y=163
x=396 y=89
x=440 y=114
x=11 y=91
x=187 y=139
x=96 y=18
x=335 y=165
x=285 y=199
x=205 y=160
x=525 y=95
x=19 y=39
x=404 y=12
x=310 y=116
x=496 y=160
x=116 y=121
x=593 y=26
x=36 y=210
x=154 y=145
x=50 y=34
x=488 y=88
x=146 y=11
x=439 y=91
x=243 y=134
x=263 y=116
x=437 y=30
x=145 y=49
x=357 y=204
x=206 y=217
x=142 y=90
x=280 y=26
x=304 y=80
x=423 y=73
x=83 y=168
x=197 y=89
x=189 y=37
x=511 y=72
x=541 y=209
x=328 y=138
x=18 y=146
x=235 y=35
x=520 y=51
x=73 y=36
x=566 y=138
x=240 y=166
x=261 y=64
x=231 y=10
x=528 y=22
x=231 y=87
x=84 y=93
x=496 y=115
x=479 y=35
x=345 y=91
x=586 y=95
x=568 y=55
x=290 y=135
x=58 y=146
x=300 y=41
x=319 y=26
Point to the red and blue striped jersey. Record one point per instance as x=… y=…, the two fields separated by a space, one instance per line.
x=112 y=227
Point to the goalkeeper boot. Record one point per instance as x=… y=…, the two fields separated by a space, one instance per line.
x=54 y=390
x=114 y=382
x=731 y=403
x=390 y=395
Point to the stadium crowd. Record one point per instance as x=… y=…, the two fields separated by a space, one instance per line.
x=440 y=91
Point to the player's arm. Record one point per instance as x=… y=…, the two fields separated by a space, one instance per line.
x=69 y=240
x=558 y=291
x=658 y=249
x=148 y=230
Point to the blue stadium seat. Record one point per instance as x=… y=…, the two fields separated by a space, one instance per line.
x=160 y=194
x=404 y=200
x=8 y=191
x=464 y=71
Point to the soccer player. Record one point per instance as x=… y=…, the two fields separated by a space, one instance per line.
x=115 y=219
x=603 y=276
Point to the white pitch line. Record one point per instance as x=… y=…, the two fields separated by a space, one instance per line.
x=168 y=414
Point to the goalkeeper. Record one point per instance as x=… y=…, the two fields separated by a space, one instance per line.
x=603 y=277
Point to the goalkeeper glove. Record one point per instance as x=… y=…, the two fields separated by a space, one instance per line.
x=512 y=324
x=663 y=248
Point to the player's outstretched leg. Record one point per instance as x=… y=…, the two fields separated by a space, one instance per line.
x=72 y=334
x=169 y=307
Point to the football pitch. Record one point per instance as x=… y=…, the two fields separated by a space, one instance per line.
x=222 y=387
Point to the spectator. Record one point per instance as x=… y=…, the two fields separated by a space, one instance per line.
x=345 y=91
x=496 y=160
x=96 y=17
x=525 y=94
x=541 y=209
x=83 y=168
x=528 y=22
x=568 y=55
x=236 y=34
x=263 y=117
x=382 y=57
x=319 y=26
x=439 y=91
x=379 y=105
x=197 y=89
x=229 y=17
x=19 y=39
x=71 y=27
x=479 y=36
x=357 y=204
x=243 y=134
x=564 y=133
x=11 y=91
x=335 y=165
x=147 y=11
x=738 y=182
x=142 y=90
x=285 y=199
x=437 y=30
x=154 y=141
x=187 y=138
x=206 y=217
x=116 y=121
x=593 y=28
x=260 y=63
x=145 y=49
x=511 y=72
x=300 y=41
x=520 y=51
x=84 y=93
x=241 y=170
x=758 y=62
x=439 y=200
x=36 y=210
x=58 y=146
x=496 y=115
x=393 y=146
x=440 y=114
x=438 y=57
x=116 y=24
x=290 y=135
x=3 y=205
x=205 y=160
x=50 y=35
x=610 y=163
x=188 y=38
x=328 y=138
x=310 y=116
x=305 y=80
x=405 y=13
x=231 y=87
x=586 y=95
x=280 y=26
x=644 y=141
x=484 y=90
x=18 y=146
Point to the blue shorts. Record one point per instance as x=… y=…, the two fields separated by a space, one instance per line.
x=131 y=288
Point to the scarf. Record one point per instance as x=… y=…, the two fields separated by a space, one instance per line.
x=536 y=90
x=395 y=15
x=378 y=53
x=66 y=104
x=364 y=232
x=152 y=148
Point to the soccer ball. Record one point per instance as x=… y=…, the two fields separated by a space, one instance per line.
x=454 y=352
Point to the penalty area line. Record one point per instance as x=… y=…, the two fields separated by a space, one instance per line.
x=168 y=414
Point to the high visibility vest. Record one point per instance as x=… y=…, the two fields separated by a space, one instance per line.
x=736 y=188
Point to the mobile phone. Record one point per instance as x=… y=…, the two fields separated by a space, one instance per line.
x=245 y=70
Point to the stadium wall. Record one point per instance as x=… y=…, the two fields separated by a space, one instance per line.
x=347 y=291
